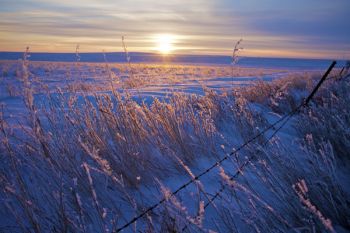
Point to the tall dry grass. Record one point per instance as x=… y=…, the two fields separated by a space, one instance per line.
x=85 y=161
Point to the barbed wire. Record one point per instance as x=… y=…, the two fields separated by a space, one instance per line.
x=216 y=164
x=239 y=171
x=288 y=116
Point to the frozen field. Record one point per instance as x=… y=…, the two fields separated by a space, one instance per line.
x=143 y=80
x=87 y=147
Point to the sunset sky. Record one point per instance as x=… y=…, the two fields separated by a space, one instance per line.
x=273 y=28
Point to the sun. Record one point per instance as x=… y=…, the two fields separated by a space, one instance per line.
x=165 y=43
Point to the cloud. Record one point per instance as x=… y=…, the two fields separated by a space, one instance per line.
x=211 y=26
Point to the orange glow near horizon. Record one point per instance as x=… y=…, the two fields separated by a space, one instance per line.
x=178 y=27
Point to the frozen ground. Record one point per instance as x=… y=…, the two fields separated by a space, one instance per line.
x=143 y=82
x=149 y=80
x=88 y=146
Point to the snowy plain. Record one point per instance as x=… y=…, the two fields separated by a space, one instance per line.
x=167 y=123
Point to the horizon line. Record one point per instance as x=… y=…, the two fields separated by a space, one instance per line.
x=183 y=54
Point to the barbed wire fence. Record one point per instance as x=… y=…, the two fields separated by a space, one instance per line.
x=283 y=120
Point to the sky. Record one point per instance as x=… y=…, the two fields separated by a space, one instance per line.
x=269 y=28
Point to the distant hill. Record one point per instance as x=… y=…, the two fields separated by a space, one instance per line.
x=289 y=63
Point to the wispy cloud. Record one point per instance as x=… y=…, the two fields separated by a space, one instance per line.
x=312 y=28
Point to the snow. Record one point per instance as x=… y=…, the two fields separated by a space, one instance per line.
x=201 y=135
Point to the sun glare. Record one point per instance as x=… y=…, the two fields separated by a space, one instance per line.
x=165 y=43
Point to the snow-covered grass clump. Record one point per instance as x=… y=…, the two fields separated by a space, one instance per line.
x=90 y=152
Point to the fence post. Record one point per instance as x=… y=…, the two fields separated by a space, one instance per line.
x=320 y=83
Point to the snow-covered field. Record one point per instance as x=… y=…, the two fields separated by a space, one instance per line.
x=86 y=147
